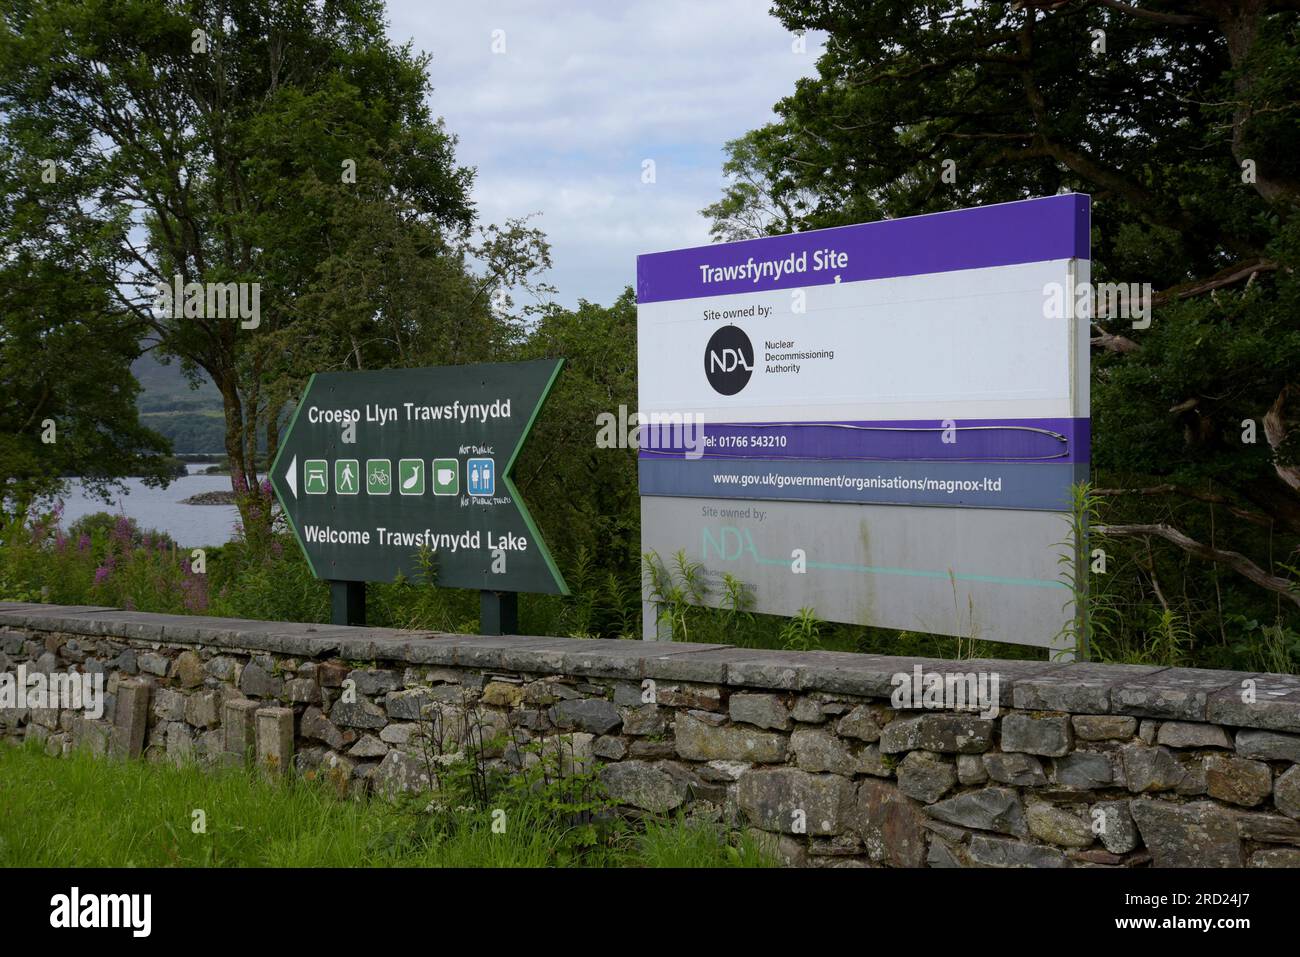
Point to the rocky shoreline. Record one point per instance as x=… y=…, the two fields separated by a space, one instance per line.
x=210 y=498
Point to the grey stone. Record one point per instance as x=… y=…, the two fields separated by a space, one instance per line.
x=169 y=705
x=155 y=663
x=889 y=824
x=645 y=720
x=358 y=714
x=126 y=661
x=1273 y=703
x=1003 y=852
x=548 y=692
x=502 y=694
x=785 y=799
x=202 y=709
x=860 y=723
x=1084 y=770
x=643 y=785
x=760 y=710
x=650 y=748
x=1286 y=793
x=1045 y=734
x=808 y=711
x=944 y=733
x=1104 y=727
x=371 y=681
x=702 y=697
x=1022 y=770
x=943 y=855
x=1275 y=857
x=410 y=705
x=131 y=719
x=1237 y=780
x=816 y=749
x=723 y=770
x=92 y=736
x=302 y=691
x=274 y=740
x=697 y=741
x=708 y=717
x=180 y=742
x=1177 y=693
x=1150 y=769
x=1053 y=824
x=222 y=667
x=990 y=809
x=609 y=747
x=238 y=724
x=397 y=733
x=1115 y=827
x=368 y=746
x=1186 y=734
x=925 y=776
x=1268 y=828
x=259 y=683
x=781 y=848
x=970 y=769
x=1147 y=731
x=1201 y=834
x=594 y=715
x=189 y=669
x=627 y=694
x=1268 y=745
x=318 y=727
x=400 y=772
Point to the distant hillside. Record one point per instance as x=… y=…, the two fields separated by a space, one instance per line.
x=191 y=418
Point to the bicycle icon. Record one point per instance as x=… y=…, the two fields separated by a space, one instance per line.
x=379 y=476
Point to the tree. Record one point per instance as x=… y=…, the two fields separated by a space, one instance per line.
x=1181 y=121
x=65 y=357
x=217 y=142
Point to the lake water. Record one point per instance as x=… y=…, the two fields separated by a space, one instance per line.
x=191 y=526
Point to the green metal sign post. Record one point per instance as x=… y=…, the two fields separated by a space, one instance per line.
x=408 y=472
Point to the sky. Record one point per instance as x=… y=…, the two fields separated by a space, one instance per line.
x=560 y=121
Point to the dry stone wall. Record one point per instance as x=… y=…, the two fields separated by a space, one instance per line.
x=1082 y=764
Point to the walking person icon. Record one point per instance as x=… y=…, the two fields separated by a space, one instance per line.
x=349 y=479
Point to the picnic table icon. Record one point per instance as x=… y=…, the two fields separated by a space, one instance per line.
x=316 y=477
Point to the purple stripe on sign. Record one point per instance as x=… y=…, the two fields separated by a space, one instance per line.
x=1035 y=230
x=895 y=440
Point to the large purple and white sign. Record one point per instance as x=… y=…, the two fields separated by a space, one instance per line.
x=911 y=362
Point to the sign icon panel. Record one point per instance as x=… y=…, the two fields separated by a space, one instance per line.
x=446 y=477
x=315 y=474
x=482 y=477
x=410 y=476
x=379 y=476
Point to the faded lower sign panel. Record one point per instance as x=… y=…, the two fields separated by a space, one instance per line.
x=987 y=573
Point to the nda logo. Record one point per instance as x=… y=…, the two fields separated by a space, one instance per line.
x=729 y=360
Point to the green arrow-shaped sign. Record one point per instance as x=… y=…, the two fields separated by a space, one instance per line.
x=380 y=468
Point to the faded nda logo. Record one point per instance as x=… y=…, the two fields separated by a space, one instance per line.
x=729 y=360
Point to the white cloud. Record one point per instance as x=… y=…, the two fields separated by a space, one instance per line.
x=560 y=122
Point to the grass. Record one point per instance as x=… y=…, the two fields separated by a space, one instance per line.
x=82 y=811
